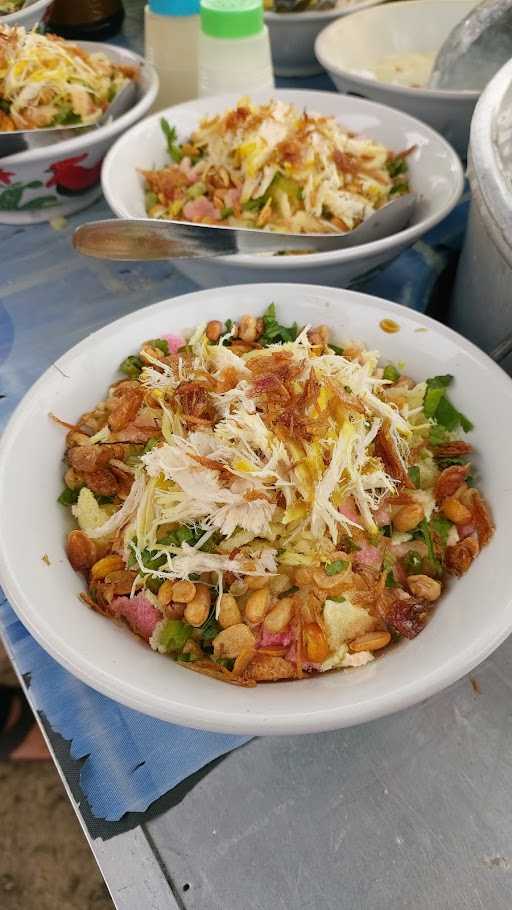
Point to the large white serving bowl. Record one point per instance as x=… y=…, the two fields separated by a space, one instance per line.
x=473 y=618
x=351 y=46
x=31 y=14
x=53 y=178
x=436 y=176
x=292 y=36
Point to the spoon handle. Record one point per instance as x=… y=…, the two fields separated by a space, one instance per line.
x=148 y=239
x=151 y=240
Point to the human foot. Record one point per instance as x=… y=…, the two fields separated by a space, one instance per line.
x=20 y=737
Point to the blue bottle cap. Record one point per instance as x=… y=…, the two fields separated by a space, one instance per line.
x=174 y=7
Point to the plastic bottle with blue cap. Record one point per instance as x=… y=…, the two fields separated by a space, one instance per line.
x=171 y=39
x=234 y=48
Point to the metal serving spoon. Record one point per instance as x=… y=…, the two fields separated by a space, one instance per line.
x=147 y=239
x=475 y=49
x=14 y=141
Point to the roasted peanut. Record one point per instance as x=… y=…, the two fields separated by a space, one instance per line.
x=240 y=347
x=174 y=611
x=183 y=592
x=82 y=551
x=424 y=587
x=122 y=580
x=319 y=335
x=71 y=479
x=371 y=641
x=165 y=593
x=196 y=611
x=247 y=329
x=214 y=330
x=255 y=582
x=408 y=517
x=105 y=566
x=279 y=616
x=303 y=575
x=229 y=611
x=279 y=584
x=238 y=587
x=328 y=582
x=449 y=481
x=257 y=605
x=455 y=511
x=315 y=642
x=231 y=642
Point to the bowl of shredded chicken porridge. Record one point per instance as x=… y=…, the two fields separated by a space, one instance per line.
x=285 y=160
x=268 y=509
x=48 y=82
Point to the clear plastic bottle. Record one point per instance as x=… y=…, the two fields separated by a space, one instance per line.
x=171 y=36
x=234 y=48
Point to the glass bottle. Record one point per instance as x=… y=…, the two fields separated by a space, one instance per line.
x=86 y=20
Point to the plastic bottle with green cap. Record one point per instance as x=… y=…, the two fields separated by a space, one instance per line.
x=234 y=48
x=171 y=39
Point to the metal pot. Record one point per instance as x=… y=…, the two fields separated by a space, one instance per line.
x=481 y=306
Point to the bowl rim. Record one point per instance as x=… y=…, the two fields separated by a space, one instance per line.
x=35 y=7
x=351 y=254
x=237 y=721
x=319 y=15
x=90 y=138
x=400 y=90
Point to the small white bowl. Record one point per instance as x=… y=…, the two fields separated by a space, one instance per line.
x=436 y=176
x=31 y=14
x=472 y=619
x=292 y=36
x=354 y=44
x=59 y=178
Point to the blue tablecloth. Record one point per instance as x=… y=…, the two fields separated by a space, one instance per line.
x=49 y=299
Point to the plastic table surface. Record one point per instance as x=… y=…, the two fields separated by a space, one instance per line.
x=411 y=811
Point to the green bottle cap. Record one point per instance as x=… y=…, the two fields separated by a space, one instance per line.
x=231 y=18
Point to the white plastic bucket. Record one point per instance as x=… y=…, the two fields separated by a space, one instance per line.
x=481 y=307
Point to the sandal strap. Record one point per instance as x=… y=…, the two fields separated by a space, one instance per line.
x=11 y=739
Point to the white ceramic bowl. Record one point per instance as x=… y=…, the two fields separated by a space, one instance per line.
x=356 y=43
x=292 y=36
x=30 y=15
x=473 y=618
x=436 y=176
x=59 y=178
